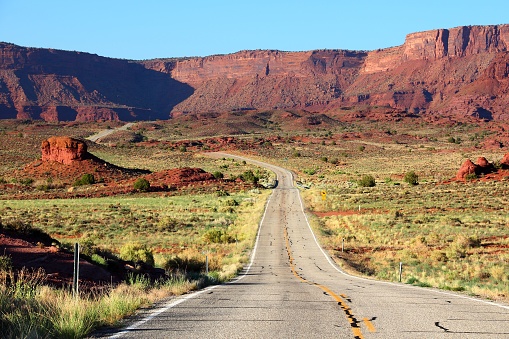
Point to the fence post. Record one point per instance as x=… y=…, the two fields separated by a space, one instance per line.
x=76 y=273
x=400 y=270
x=343 y=245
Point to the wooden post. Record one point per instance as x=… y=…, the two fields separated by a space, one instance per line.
x=400 y=270
x=76 y=273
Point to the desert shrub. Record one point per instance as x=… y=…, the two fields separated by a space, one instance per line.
x=309 y=171
x=96 y=258
x=334 y=161
x=438 y=256
x=218 y=175
x=179 y=264
x=367 y=181
x=142 y=184
x=296 y=154
x=362 y=148
x=324 y=159
x=411 y=178
x=218 y=236
x=137 y=253
x=470 y=176
x=454 y=140
x=498 y=273
x=249 y=176
x=230 y=202
x=26 y=181
x=459 y=248
x=3 y=181
x=468 y=242
x=168 y=224
x=86 y=179
x=43 y=187
x=183 y=148
x=5 y=263
x=222 y=193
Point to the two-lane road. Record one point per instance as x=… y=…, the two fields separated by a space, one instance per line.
x=292 y=289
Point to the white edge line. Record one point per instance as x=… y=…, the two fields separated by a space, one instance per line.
x=333 y=264
x=180 y=300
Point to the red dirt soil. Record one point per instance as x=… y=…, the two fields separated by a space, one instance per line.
x=57 y=264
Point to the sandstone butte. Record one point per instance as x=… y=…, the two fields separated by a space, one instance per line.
x=64 y=150
x=458 y=72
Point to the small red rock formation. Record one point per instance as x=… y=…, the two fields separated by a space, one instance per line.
x=505 y=161
x=64 y=150
x=482 y=167
x=467 y=168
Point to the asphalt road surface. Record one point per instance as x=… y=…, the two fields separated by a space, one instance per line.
x=97 y=137
x=292 y=289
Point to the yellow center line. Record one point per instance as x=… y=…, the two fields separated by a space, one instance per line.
x=354 y=323
x=369 y=325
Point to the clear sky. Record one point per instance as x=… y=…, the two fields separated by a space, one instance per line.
x=147 y=29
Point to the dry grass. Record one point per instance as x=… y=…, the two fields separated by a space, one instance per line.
x=449 y=235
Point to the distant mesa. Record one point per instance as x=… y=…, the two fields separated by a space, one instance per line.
x=460 y=73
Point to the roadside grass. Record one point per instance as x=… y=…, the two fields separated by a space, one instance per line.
x=448 y=235
x=174 y=228
x=451 y=236
x=31 y=309
x=169 y=226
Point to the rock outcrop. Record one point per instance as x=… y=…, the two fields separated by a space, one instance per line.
x=459 y=72
x=481 y=168
x=67 y=159
x=466 y=169
x=64 y=150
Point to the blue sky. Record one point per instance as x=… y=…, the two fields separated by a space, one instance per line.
x=147 y=29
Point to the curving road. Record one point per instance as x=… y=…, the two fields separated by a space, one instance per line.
x=98 y=136
x=292 y=289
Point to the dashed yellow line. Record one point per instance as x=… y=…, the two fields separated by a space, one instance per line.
x=354 y=323
x=369 y=325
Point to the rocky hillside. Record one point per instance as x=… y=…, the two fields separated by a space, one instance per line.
x=446 y=72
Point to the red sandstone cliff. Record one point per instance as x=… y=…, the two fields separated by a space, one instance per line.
x=54 y=85
x=461 y=72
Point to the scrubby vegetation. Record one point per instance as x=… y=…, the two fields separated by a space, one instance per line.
x=224 y=227
x=86 y=179
x=142 y=185
x=447 y=234
x=445 y=237
x=24 y=298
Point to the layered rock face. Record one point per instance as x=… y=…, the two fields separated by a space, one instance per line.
x=263 y=79
x=455 y=72
x=459 y=72
x=57 y=85
x=64 y=150
x=441 y=43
